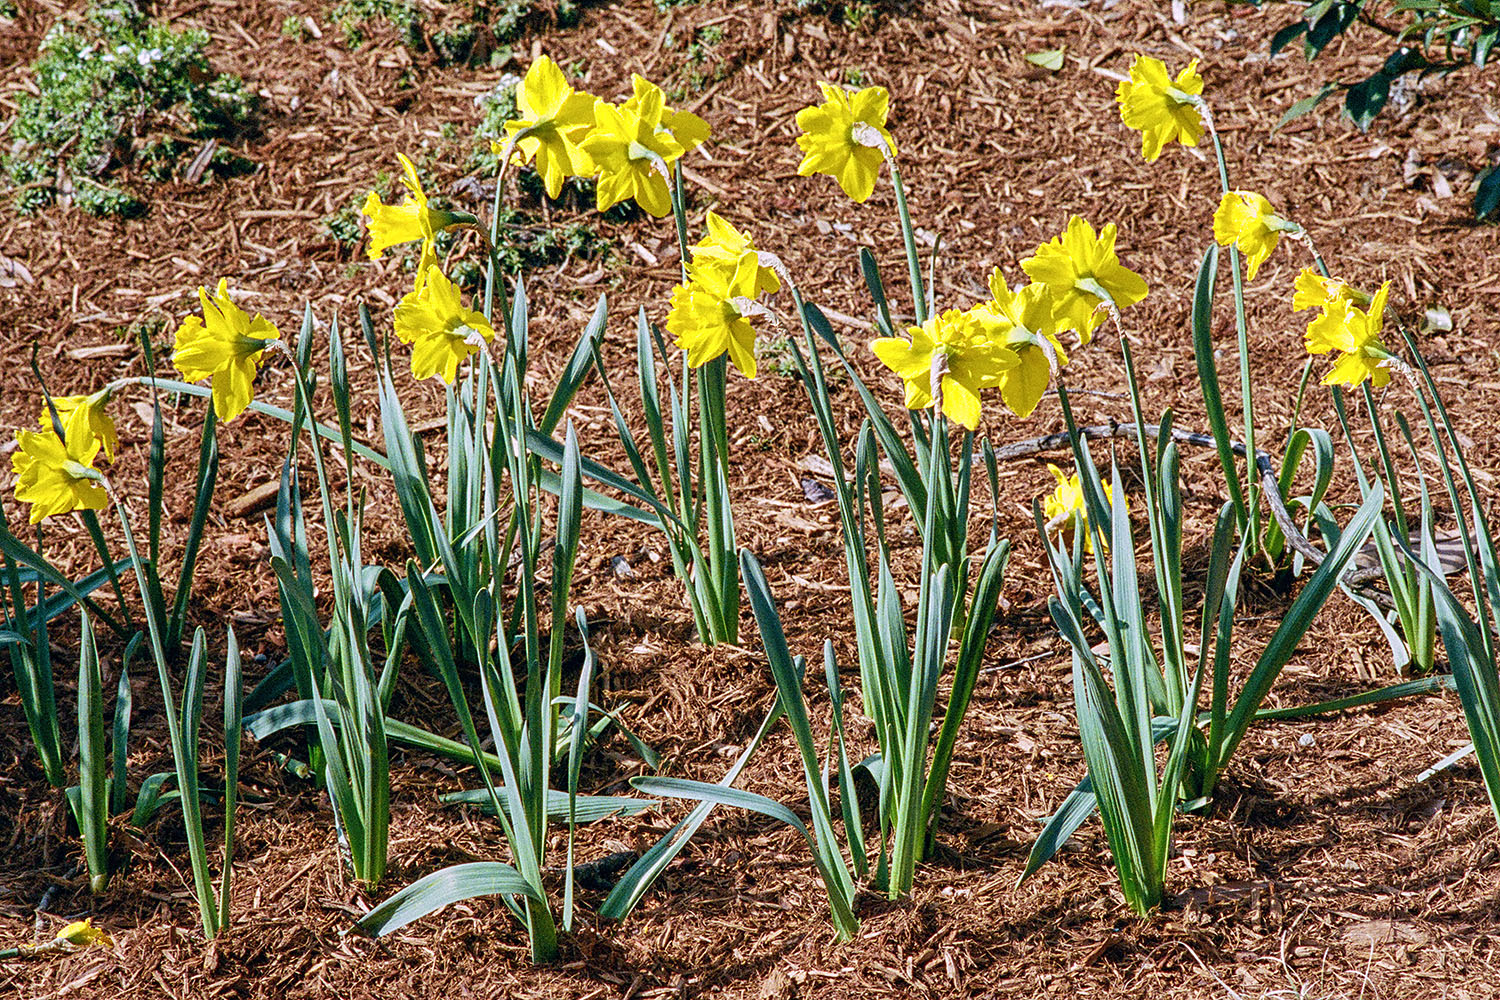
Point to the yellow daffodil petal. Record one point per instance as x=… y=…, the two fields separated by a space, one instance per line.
x=828 y=143
x=1152 y=103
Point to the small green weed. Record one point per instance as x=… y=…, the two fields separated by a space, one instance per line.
x=467 y=32
x=116 y=88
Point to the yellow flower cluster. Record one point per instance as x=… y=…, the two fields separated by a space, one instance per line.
x=1010 y=341
x=1349 y=322
x=630 y=146
x=711 y=311
x=1344 y=327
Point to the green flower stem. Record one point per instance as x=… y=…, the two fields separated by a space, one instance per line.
x=913 y=262
x=494 y=284
x=679 y=215
x=1242 y=336
x=718 y=583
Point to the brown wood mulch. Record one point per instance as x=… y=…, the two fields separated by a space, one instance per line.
x=1323 y=869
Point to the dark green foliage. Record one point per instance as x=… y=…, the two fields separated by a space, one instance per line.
x=117 y=88
x=467 y=33
x=1431 y=36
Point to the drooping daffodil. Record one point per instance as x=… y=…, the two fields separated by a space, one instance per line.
x=413 y=219
x=1247 y=220
x=96 y=419
x=688 y=129
x=1313 y=291
x=224 y=345
x=1084 y=276
x=711 y=312
x=954 y=356
x=724 y=245
x=1026 y=316
x=555 y=119
x=843 y=136
x=1066 y=510
x=1163 y=110
x=633 y=151
x=1355 y=334
x=441 y=332
x=57 y=475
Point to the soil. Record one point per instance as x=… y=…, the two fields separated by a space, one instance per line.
x=1323 y=868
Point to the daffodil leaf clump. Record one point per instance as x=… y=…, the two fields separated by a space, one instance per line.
x=115 y=90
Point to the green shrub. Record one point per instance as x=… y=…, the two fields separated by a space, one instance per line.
x=112 y=87
x=464 y=34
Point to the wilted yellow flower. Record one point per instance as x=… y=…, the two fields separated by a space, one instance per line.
x=1250 y=222
x=96 y=420
x=1026 y=316
x=557 y=117
x=57 y=477
x=709 y=313
x=441 y=332
x=725 y=245
x=83 y=933
x=1160 y=108
x=1313 y=291
x=1355 y=334
x=411 y=220
x=830 y=143
x=962 y=352
x=1065 y=508
x=631 y=149
x=224 y=345
x=1082 y=272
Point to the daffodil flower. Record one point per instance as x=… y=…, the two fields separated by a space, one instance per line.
x=953 y=356
x=555 y=118
x=842 y=138
x=1313 y=291
x=1250 y=222
x=56 y=475
x=441 y=332
x=632 y=151
x=1066 y=510
x=413 y=219
x=1355 y=335
x=225 y=345
x=710 y=312
x=686 y=128
x=1026 y=316
x=724 y=245
x=83 y=933
x=96 y=419
x=1160 y=108
x=1084 y=274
